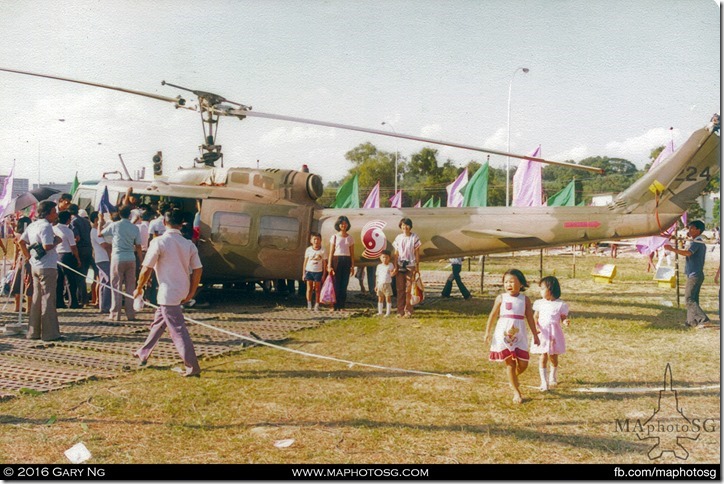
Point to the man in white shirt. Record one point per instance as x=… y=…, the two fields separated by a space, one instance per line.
x=176 y=263
x=38 y=245
x=69 y=256
x=102 y=258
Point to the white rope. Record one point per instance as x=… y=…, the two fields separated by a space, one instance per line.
x=349 y=363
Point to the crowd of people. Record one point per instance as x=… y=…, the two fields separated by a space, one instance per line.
x=135 y=248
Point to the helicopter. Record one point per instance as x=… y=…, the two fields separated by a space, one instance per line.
x=255 y=223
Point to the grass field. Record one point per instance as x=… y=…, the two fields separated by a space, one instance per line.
x=621 y=338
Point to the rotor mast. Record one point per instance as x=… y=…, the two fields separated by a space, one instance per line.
x=210 y=151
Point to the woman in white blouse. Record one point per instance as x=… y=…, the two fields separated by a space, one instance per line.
x=341 y=260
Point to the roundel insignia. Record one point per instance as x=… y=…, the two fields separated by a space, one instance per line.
x=373 y=239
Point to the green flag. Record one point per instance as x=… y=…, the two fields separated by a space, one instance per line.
x=347 y=194
x=430 y=203
x=475 y=193
x=564 y=198
x=438 y=203
x=75 y=184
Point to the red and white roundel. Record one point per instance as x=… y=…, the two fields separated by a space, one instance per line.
x=373 y=239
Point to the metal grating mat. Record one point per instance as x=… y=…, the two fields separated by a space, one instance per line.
x=94 y=347
x=74 y=358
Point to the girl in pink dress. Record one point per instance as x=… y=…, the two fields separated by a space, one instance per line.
x=549 y=313
x=510 y=340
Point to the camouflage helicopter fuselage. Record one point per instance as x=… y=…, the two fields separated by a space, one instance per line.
x=255 y=223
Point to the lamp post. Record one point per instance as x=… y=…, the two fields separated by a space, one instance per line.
x=393 y=130
x=507 y=163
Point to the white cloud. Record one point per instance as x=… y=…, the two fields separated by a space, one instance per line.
x=576 y=153
x=283 y=135
x=498 y=141
x=638 y=149
x=430 y=131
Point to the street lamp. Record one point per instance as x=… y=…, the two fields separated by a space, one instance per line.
x=393 y=130
x=507 y=163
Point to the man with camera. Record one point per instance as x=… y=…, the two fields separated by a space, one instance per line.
x=38 y=244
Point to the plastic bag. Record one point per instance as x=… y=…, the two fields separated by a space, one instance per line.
x=326 y=294
x=418 y=291
x=138 y=303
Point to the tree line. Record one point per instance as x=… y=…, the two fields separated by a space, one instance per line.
x=422 y=175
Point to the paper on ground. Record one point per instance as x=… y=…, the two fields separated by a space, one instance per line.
x=78 y=453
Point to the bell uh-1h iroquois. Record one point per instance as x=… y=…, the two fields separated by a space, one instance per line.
x=255 y=223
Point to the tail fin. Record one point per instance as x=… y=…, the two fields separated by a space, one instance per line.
x=673 y=185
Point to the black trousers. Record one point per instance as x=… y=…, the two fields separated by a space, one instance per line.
x=64 y=274
x=86 y=260
x=455 y=276
x=342 y=265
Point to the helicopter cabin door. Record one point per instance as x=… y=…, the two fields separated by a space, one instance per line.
x=244 y=241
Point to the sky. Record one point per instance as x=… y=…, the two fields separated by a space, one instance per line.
x=606 y=78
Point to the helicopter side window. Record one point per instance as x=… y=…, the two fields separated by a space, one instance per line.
x=264 y=182
x=239 y=178
x=279 y=232
x=230 y=228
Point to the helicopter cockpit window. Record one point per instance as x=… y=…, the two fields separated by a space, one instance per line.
x=265 y=182
x=238 y=178
x=230 y=228
x=279 y=232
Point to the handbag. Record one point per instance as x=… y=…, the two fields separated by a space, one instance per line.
x=326 y=293
x=418 y=291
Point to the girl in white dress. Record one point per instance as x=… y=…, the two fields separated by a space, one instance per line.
x=549 y=313
x=510 y=340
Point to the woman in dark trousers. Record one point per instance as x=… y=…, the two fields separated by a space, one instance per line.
x=341 y=260
x=456 y=265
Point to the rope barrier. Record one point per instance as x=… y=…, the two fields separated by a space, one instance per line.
x=349 y=363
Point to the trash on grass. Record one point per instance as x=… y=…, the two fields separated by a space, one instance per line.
x=78 y=453
x=283 y=443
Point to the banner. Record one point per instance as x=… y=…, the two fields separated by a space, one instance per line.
x=527 y=183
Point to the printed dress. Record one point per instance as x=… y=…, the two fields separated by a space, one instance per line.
x=510 y=339
x=551 y=336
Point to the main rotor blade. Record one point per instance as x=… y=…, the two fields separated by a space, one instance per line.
x=179 y=102
x=242 y=112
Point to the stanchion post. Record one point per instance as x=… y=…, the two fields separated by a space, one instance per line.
x=482 y=273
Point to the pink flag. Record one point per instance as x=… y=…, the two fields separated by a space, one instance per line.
x=527 y=183
x=396 y=200
x=455 y=197
x=418 y=204
x=7 y=194
x=665 y=153
x=647 y=245
x=373 y=199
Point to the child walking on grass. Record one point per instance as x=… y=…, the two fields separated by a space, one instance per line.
x=549 y=313
x=510 y=341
